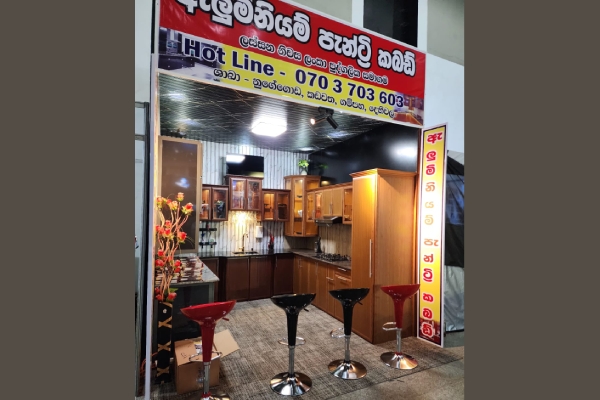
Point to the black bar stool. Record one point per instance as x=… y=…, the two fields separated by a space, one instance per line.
x=398 y=293
x=346 y=368
x=292 y=383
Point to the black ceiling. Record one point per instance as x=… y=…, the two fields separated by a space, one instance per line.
x=222 y=115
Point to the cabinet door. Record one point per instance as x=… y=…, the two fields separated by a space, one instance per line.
x=331 y=301
x=321 y=298
x=289 y=225
x=283 y=275
x=318 y=204
x=347 y=206
x=298 y=209
x=205 y=207
x=213 y=265
x=219 y=203
x=237 y=187
x=282 y=203
x=254 y=188
x=342 y=281
x=269 y=209
x=261 y=277
x=326 y=202
x=337 y=197
x=237 y=277
x=304 y=274
x=310 y=228
x=297 y=275
x=363 y=198
x=311 y=277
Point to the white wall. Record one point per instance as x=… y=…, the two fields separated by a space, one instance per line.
x=341 y=9
x=446 y=29
x=143 y=36
x=445 y=99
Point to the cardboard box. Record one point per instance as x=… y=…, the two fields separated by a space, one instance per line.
x=187 y=372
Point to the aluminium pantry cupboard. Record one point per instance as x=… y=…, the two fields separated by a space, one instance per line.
x=383 y=230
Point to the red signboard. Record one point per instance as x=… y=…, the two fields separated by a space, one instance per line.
x=354 y=64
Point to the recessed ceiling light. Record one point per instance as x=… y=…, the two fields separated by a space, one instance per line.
x=176 y=96
x=266 y=127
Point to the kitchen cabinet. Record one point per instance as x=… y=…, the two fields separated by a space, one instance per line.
x=215 y=199
x=383 y=230
x=347 y=206
x=342 y=280
x=301 y=275
x=283 y=274
x=213 y=264
x=261 y=277
x=245 y=193
x=276 y=205
x=321 y=286
x=300 y=224
x=329 y=201
x=237 y=278
x=330 y=285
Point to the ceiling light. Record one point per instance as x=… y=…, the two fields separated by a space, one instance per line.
x=235 y=158
x=176 y=96
x=267 y=127
x=333 y=124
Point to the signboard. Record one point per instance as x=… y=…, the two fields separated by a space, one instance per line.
x=432 y=201
x=279 y=49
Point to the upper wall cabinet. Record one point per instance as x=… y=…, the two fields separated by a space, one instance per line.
x=276 y=205
x=214 y=203
x=301 y=222
x=180 y=170
x=245 y=193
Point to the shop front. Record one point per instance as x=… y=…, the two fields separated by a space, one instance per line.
x=282 y=83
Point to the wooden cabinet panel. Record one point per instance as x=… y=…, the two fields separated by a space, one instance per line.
x=312 y=278
x=245 y=194
x=337 y=198
x=301 y=275
x=213 y=265
x=341 y=281
x=383 y=224
x=237 y=278
x=331 y=301
x=322 y=294
x=283 y=274
x=347 y=206
x=276 y=205
x=261 y=277
x=299 y=223
x=214 y=203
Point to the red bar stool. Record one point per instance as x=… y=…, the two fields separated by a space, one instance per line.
x=207 y=315
x=398 y=293
x=292 y=383
x=346 y=368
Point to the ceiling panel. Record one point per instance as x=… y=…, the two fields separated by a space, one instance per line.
x=218 y=114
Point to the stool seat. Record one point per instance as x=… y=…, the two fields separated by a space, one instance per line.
x=399 y=293
x=292 y=383
x=347 y=368
x=293 y=303
x=207 y=315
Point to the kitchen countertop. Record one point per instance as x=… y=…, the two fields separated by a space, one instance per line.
x=301 y=252
x=191 y=276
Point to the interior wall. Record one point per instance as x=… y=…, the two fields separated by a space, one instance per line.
x=446 y=29
x=143 y=38
x=445 y=99
x=341 y=9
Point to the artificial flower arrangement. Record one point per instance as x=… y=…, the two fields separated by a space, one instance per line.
x=169 y=237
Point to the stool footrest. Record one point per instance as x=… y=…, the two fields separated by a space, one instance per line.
x=299 y=341
x=337 y=333
x=390 y=326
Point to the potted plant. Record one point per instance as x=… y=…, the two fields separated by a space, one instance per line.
x=303 y=164
x=172 y=215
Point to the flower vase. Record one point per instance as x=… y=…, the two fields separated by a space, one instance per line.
x=163 y=339
x=303 y=171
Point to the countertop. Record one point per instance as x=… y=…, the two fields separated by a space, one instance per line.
x=301 y=252
x=192 y=276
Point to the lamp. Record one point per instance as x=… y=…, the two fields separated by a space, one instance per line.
x=324 y=114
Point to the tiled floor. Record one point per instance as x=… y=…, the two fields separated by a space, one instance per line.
x=446 y=382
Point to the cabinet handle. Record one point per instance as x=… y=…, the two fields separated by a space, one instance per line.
x=370 y=256
x=342 y=269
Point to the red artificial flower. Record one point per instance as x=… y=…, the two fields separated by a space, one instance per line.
x=159 y=263
x=174 y=205
x=177 y=263
x=156 y=290
x=158 y=228
x=171 y=296
x=161 y=253
x=168 y=223
x=187 y=209
x=159 y=297
x=159 y=202
x=166 y=233
x=180 y=196
x=181 y=236
x=177 y=269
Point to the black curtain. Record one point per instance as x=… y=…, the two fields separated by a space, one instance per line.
x=455 y=216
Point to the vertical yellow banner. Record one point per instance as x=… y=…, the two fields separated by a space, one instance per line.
x=432 y=201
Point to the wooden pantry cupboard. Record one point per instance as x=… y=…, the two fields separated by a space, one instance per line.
x=383 y=238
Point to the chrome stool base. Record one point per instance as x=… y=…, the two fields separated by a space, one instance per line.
x=399 y=361
x=297 y=385
x=219 y=396
x=347 y=370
